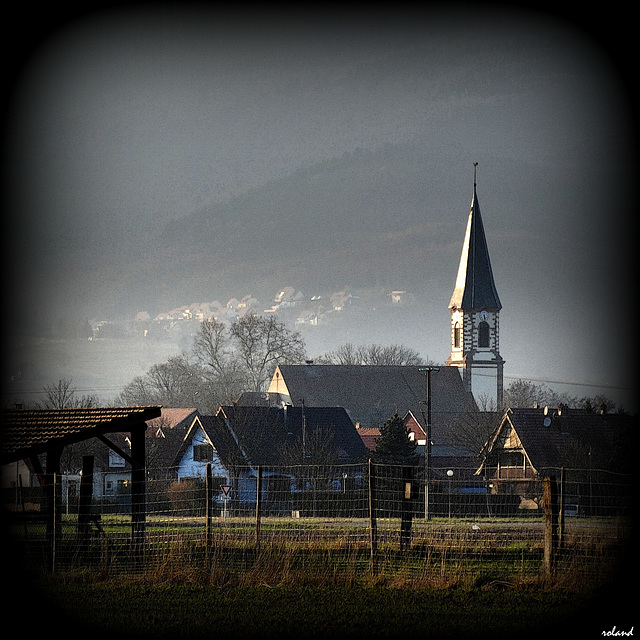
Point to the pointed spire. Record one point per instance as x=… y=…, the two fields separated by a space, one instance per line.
x=475 y=288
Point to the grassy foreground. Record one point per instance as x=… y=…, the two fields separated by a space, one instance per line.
x=180 y=611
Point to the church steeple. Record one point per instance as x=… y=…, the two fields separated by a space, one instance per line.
x=475 y=310
x=475 y=287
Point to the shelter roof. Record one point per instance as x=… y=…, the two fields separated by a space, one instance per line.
x=29 y=432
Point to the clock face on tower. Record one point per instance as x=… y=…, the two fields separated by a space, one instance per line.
x=484 y=315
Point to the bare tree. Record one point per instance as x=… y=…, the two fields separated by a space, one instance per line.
x=524 y=393
x=213 y=350
x=373 y=354
x=260 y=344
x=63 y=396
x=174 y=383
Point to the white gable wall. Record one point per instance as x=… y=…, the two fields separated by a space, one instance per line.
x=190 y=468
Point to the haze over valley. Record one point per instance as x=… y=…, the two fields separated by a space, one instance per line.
x=187 y=158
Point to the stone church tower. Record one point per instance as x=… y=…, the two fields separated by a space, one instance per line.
x=475 y=313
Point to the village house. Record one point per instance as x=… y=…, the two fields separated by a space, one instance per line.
x=239 y=439
x=531 y=443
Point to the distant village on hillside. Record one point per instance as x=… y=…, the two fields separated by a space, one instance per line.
x=303 y=310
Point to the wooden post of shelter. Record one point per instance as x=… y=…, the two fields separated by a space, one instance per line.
x=54 y=502
x=138 y=491
x=84 y=505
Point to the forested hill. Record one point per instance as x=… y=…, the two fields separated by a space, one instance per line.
x=382 y=218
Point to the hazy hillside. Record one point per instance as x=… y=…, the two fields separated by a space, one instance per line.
x=366 y=219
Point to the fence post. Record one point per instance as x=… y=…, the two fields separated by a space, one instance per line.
x=373 y=526
x=208 y=488
x=406 y=505
x=258 y=505
x=138 y=492
x=561 y=510
x=550 y=498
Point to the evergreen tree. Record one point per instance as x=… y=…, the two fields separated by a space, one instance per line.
x=394 y=446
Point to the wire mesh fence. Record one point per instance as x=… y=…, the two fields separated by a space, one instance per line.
x=324 y=522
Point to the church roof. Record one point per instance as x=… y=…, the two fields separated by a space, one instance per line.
x=372 y=394
x=475 y=288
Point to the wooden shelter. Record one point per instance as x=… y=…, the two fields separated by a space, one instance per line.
x=31 y=433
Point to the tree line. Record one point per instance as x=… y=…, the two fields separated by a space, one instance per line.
x=225 y=360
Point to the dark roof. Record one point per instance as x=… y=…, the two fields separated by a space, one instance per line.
x=29 y=432
x=373 y=394
x=475 y=287
x=273 y=435
x=571 y=437
x=171 y=418
x=259 y=399
x=219 y=436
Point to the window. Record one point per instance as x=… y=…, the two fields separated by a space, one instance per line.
x=483 y=334
x=456 y=336
x=202 y=452
x=511 y=459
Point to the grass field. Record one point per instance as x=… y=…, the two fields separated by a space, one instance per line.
x=191 y=611
x=314 y=578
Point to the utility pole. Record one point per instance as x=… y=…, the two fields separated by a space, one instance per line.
x=427 y=446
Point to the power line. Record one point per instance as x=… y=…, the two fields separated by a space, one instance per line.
x=596 y=385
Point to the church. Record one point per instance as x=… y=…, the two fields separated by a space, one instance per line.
x=475 y=315
x=372 y=394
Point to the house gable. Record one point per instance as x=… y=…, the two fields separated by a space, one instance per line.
x=192 y=459
x=550 y=439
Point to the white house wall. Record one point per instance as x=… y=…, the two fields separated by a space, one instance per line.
x=190 y=468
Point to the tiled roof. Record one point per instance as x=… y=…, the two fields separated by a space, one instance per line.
x=372 y=394
x=169 y=419
x=263 y=433
x=571 y=437
x=27 y=432
x=369 y=436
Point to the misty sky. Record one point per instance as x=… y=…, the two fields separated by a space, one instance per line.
x=120 y=121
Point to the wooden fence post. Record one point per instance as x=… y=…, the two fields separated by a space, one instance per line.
x=407 y=508
x=561 y=511
x=208 y=488
x=373 y=526
x=258 y=505
x=551 y=504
